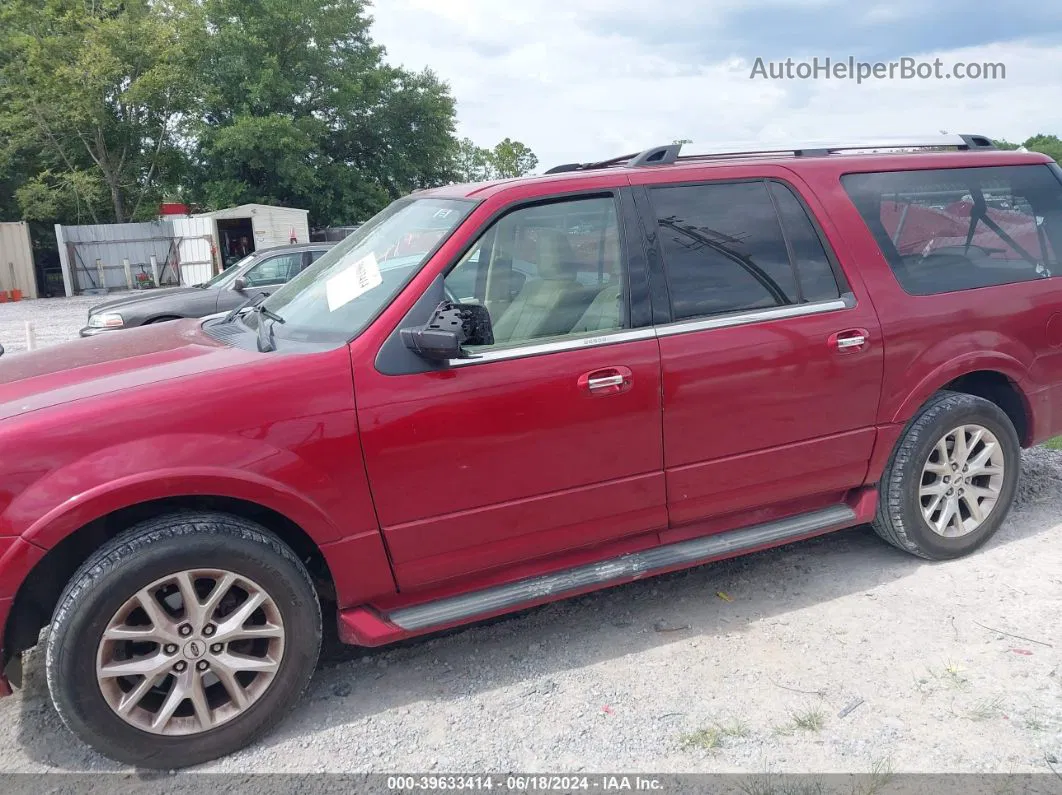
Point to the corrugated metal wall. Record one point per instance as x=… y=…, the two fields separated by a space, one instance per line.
x=81 y=246
x=88 y=251
x=196 y=242
x=16 y=259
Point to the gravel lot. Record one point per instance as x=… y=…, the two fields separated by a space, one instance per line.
x=54 y=320
x=743 y=666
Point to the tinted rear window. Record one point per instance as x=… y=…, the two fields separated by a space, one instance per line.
x=743 y=246
x=958 y=229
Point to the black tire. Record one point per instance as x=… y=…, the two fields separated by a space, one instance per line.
x=899 y=518
x=144 y=554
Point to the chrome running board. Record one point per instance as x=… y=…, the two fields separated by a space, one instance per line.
x=632 y=566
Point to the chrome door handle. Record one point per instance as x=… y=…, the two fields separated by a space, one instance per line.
x=850 y=342
x=605 y=381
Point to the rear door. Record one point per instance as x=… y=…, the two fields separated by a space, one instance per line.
x=547 y=440
x=771 y=356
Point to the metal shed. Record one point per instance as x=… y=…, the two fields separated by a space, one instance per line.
x=16 y=259
x=260 y=225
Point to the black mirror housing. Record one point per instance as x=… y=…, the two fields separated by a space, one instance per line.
x=451 y=326
x=433 y=343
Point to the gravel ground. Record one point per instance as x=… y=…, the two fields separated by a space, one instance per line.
x=742 y=666
x=54 y=320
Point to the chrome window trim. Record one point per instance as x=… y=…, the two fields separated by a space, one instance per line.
x=759 y=315
x=846 y=301
x=577 y=343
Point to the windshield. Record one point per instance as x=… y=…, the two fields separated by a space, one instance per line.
x=229 y=274
x=336 y=297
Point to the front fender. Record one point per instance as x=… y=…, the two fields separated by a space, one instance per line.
x=128 y=473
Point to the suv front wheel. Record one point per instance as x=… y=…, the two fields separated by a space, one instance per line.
x=951 y=479
x=183 y=640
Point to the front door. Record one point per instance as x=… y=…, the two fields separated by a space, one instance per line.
x=772 y=359
x=265 y=276
x=549 y=440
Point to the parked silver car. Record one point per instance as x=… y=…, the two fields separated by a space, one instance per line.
x=260 y=272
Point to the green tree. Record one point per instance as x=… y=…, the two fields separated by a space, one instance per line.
x=505 y=160
x=471 y=162
x=94 y=95
x=511 y=158
x=301 y=109
x=1049 y=145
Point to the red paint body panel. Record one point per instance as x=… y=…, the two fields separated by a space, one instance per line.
x=504 y=451
x=824 y=465
x=931 y=340
x=360 y=568
x=423 y=486
x=166 y=412
x=18 y=558
x=754 y=414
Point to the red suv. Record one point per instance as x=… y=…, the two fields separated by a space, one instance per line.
x=494 y=396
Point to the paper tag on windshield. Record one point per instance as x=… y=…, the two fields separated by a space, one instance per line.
x=356 y=280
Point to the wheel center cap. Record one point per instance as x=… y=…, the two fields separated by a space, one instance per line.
x=194 y=649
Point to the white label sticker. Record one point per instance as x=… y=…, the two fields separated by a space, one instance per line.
x=356 y=280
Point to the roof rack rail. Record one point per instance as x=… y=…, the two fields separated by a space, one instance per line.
x=664 y=155
x=670 y=153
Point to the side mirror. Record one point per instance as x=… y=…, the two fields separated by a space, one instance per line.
x=240 y=284
x=451 y=327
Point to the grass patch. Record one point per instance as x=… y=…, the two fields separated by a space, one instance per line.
x=1054 y=444
x=985 y=709
x=811 y=720
x=1034 y=724
x=807 y=720
x=953 y=676
x=879 y=778
x=773 y=784
x=770 y=783
x=712 y=737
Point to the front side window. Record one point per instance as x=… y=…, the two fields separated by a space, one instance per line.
x=725 y=249
x=335 y=298
x=547 y=272
x=275 y=270
x=962 y=228
x=227 y=276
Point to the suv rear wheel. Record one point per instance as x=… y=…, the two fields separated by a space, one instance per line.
x=183 y=640
x=951 y=479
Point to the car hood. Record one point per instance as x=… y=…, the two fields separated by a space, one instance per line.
x=143 y=298
x=88 y=368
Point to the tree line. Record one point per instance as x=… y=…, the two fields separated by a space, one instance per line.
x=108 y=107
x=1049 y=145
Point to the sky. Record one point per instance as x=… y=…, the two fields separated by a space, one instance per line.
x=580 y=80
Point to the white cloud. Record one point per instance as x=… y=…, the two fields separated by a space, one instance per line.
x=575 y=80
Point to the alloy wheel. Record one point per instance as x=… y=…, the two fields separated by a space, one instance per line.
x=189 y=652
x=961 y=480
